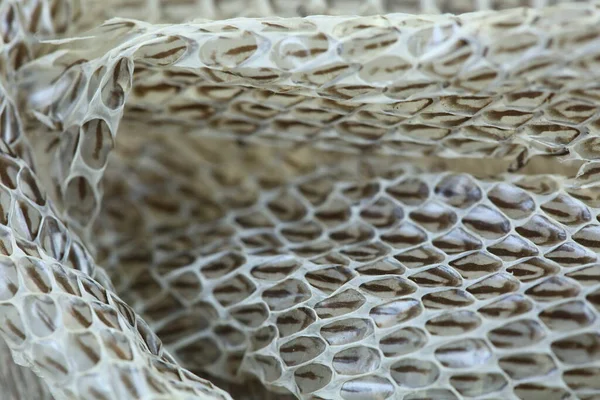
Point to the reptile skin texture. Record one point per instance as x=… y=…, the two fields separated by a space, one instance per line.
x=284 y=199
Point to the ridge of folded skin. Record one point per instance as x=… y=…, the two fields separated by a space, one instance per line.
x=69 y=329
x=398 y=84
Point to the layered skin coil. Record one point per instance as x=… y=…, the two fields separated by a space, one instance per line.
x=287 y=201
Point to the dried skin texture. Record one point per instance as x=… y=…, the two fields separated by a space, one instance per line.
x=399 y=205
x=338 y=272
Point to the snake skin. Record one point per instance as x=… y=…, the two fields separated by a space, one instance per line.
x=398 y=205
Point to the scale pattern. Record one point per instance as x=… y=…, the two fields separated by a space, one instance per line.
x=374 y=284
x=330 y=207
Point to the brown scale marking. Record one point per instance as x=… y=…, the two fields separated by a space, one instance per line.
x=405 y=368
x=574 y=344
x=507 y=24
x=288 y=124
x=397 y=68
x=25 y=211
x=443 y=220
x=465 y=378
x=514 y=48
x=173 y=263
x=447 y=246
x=271 y=24
x=166 y=53
x=507 y=286
x=367 y=251
x=306 y=53
x=581 y=318
x=342 y=304
x=9 y=21
x=12 y=288
x=311 y=250
x=424 y=278
x=528 y=270
x=498 y=115
x=424 y=260
x=110 y=322
x=581 y=259
x=162 y=204
x=517 y=254
x=585 y=37
x=8 y=172
x=588 y=274
x=129 y=385
x=330 y=70
x=455 y=121
x=260 y=77
x=50 y=362
x=398 y=238
x=38 y=280
x=580 y=108
x=208 y=90
x=15 y=330
x=347 y=359
x=117 y=25
x=566 y=292
x=594 y=298
x=530 y=95
x=388 y=285
x=68 y=67
x=446 y=301
x=143 y=90
x=493 y=266
x=263 y=335
x=204 y=108
x=290 y=320
x=44 y=317
x=586 y=242
x=519 y=307
x=95 y=290
x=483 y=77
x=308 y=375
x=391 y=339
x=319 y=276
x=220 y=267
x=556 y=212
x=353 y=237
x=539 y=238
x=332 y=328
x=241 y=49
x=415 y=86
x=93 y=391
x=76 y=85
x=374 y=270
x=80 y=317
x=184 y=285
x=458 y=103
x=382 y=44
x=522 y=360
x=513 y=332
x=450 y=323
x=348 y=88
x=533 y=67
x=273 y=270
x=99 y=141
x=458 y=58
x=485 y=226
x=229 y=289
x=89 y=351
